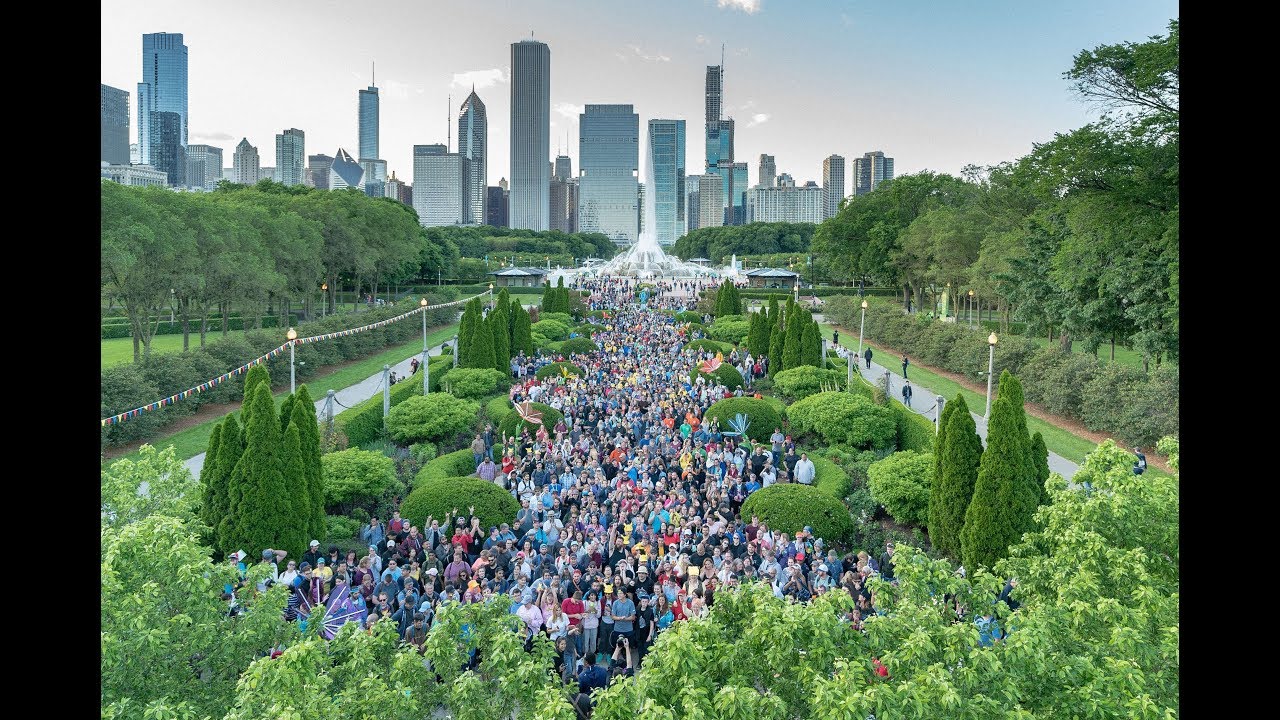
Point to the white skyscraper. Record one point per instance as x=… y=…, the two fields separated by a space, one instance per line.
x=290 y=156
x=530 y=200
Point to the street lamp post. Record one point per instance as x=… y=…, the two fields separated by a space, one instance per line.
x=968 y=313
x=292 y=335
x=991 y=366
x=426 y=370
x=862 y=325
x=324 y=299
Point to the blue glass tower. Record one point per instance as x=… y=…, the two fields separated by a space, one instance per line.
x=667 y=183
x=369 y=124
x=609 y=163
x=162 y=105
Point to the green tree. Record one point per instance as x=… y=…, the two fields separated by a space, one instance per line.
x=356 y=478
x=256 y=374
x=959 y=459
x=213 y=484
x=939 y=442
x=304 y=416
x=1040 y=457
x=777 y=344
x=293 y=470
x=523 y=334
x=170 y=490
x=501 y=332
x=286 y=412
x=791 y=349
x=263 y=517
x=230 y=448
x=1003 y=505
x=902 y=484
x=466 y=328
x=811 y=345
x=480 y=346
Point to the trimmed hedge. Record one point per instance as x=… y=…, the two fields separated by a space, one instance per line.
x=363 y=423
x=437 y=418
x=901 y=483
x=550 y=329
x=763 y=416
x=791 y=507
x=512 y=424
x=712 y=346
x=578 y=346
x=687 y=316
x=915 y=432
x=730 y=328
x=726 y=374
x=474 y=383
x=458 y=463
x=844 y=418
x=120 y=328
x=805 y=380
x=556 y=369
x=498 y=408
x=436 y=498
x=830 y=478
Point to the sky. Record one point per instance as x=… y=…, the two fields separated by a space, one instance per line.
x=935 y=84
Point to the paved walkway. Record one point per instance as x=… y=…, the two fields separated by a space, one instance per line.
x=348 y=397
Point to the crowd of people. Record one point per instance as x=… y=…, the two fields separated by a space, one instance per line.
x=630 y=513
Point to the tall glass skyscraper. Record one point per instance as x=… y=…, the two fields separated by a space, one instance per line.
x=666 y=157
x=473 y=142
x=162 y=105
x=609 y=169
x=369 y=124
x=115 y=125
x=870 y=170
x=530 y=198
x=832 y=185
x=290 y=153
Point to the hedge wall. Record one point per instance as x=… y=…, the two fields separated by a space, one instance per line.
x=763 y=416
x=438 y=497
x=458 y=463
x=791 y=507
x=363 y=423
x=512 y=423
x=498 y=408
x=830 y=478
x=727 y=374
x=120 y=328
x=801 y=382
x=556 y=369
x=915 y=432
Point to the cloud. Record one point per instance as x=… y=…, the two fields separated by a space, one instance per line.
x=396 y=89
x=701 y=39
x=480 y=78
x=569 y=110
x=213 y=135
x=648 y=58
x=750 y=7
x=758 y=119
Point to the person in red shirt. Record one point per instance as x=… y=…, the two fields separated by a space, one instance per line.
x=575 y=610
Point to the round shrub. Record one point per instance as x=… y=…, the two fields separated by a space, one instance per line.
x=556 y=369
x=726 y=375
x=830 y=478
x=762 y=416
x=513 y=423
x=801 y=382
x=792 y=507
x=559 y=317
x=458 y=463
x=901 y=484
x=540 y=341
x=578 y=346
x=551 y=329
x=436 y=498
x=846 y=418
x=688 y=317
x=498 y=408
x=474 y=383
x=355 y=477
x=423 y=452
x=730 y=328
x=436 y=417
x=711 y=346
x=340 y=527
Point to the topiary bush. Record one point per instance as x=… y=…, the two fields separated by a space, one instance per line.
x=512 y=424
x=844 y=418
x=914 y=431
x=559 y=317
x=458 y=463
x=497 y=409
x=726 y=375
x=901 y=483
x=801 y=382
x=711 y=346
x=688 y=317
x=438 y=417
x=550 y=329
x=436 y=498
x=730 y=328
x=791 y=507
x=830 y=478
x=556 y=369
x=355 y=477
x=540 y=341
x=578 y=346
x=474 y=383
x=763 y=416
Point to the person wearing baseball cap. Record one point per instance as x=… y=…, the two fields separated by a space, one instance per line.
x=313 y=553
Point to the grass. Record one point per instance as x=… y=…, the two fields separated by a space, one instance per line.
x=118 y=351
x=195 y=440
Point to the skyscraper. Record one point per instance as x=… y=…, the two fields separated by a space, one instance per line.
x=115 y=125
x=609 y=169
x=439 y=185
x=719 y=155
x=345 y=172
x=318 y=171
x=207 y=159
x=870 y=170
x=162 y=105
x=692 y=204
x=715 y=80
x=245 y=161
x=768 y=172
x=563 y=168
x=530 y=200
x=394 y=188
x=564 y=196
x=369 y=123
x=710 y=201
x=473 y=143
x=786 y=204
x=290 y=152
x=666 y=158
x=496 y=206
x=832 y=185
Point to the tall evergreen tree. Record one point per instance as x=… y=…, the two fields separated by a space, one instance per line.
x=286 y=411
x=466 y=329
x=293 y=470
x=757 y=337
x=227 y=490
x=1040 y=456
x=257 y=374
x=210 y=482
x=810 y=344
x=791 y=350
x=500 y=330
x=773 y=311
x=513 y=315
x=1031 y=492
x=522 y=335
x=304 y=417
x=480 y=352
x=262 y=518
x=777 y=343
x=952 y=491
x=940 y=442
x=1001 y=509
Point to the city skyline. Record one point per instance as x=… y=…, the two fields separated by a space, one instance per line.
x=952 y=86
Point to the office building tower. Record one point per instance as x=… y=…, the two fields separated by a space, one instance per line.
x=374 y=170
x=666 y=158
x=530 y=200
x=204 y=166
x=473 y=143
x=870 y=170
x=115 y=126
x=496 y=206
x=162 y=105
x=715 y=80
x=318 y=171
x=393 y=188
x=559 y=198
x=563 y=168
x=734 y=190
x=266 y=173
x=719 y=154
x=368 y=119
x=786 y=204
x=832 y=185
x=785 y=180
x=290 y=153
x=246 y=163
x=768 y=172
x=691 y=205
x=608 y=171
x=710 y=201
x=439 y=182
x=345 y=172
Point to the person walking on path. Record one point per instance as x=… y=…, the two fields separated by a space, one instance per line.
x=905 y=363
x=867 y=355
x=906 y=393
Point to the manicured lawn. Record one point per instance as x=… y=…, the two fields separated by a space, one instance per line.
x=118 y=351
x=193 y=441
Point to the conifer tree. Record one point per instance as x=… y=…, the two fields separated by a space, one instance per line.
x=262 y=518
x=227 y=491
x=777 y=343
x=304 y=416
x=293 y=470
x=480 y=352
x=257 y=374
x=500 y=330
x=958 y=459
x=1040 y=456
x=810 y=344
x=1003 y=505
x=211 y=486
x=522 y=335
x=286 y=412
x=791 y=350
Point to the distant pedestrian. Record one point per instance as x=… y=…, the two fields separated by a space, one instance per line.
x=867 y=355
x=906 y=393
x=1140 y=465
x=905 y=363
x=414 y=364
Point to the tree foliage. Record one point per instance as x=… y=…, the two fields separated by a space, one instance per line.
x=431 y=418
x=902 y=483
x=959 y=456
